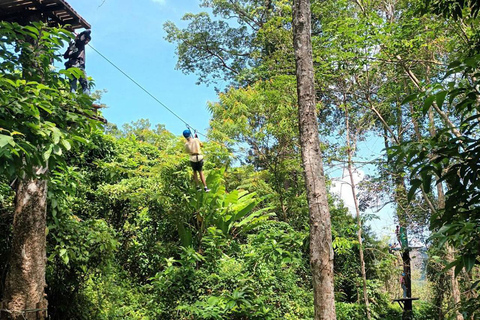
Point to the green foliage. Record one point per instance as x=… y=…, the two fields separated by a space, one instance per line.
x=237 y=281
x=351 y=311
x=455 y=9
x=125 y=183
x=231 y=213
x=109 y=294
x=115 y=239
x=129 y=237
x=77 y=248
x=112 y=295
x=449 y=159
x=208 y=44
x=6 y=206
x=39 y=119
x=455 y=157
x=258 y=121
x=232 y=44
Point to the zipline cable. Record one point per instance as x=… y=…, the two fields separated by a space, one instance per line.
x=163 y=105
x=155 y=98
x=140 y=86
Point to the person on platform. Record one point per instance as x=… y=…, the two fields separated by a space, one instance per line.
x=75 y=56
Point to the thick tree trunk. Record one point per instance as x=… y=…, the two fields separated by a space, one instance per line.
x=321 y=251
x=24 y=296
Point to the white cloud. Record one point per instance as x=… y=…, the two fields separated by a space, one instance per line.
x=341 y=186
x=382 y=227
x=160 y=1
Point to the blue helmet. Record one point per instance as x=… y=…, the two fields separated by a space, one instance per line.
x=187 y=133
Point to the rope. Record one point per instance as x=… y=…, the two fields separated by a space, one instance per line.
x=22 y=312
x=140 y=86
x=155 y=98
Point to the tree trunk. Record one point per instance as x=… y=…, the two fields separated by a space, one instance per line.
x=24 y=296
x=401 y=199
x=360 y=242
x=454 y=283
x=350 y=150
x=321 y=251
x=407 y=307
x=439 y=296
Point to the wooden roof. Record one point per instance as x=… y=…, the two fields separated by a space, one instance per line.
x=53 y=12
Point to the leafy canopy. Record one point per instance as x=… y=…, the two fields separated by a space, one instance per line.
x=39 y=118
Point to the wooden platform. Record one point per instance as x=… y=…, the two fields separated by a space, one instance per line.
x=53 y=12
x=401 y=302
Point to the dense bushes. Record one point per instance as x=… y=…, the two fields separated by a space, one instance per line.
x=135 y=240
x=129 y=237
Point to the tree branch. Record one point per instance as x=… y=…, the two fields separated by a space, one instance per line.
x=222 y=61
x=442 y=114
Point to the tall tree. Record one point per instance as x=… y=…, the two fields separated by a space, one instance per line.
x=39 y=120
x=321 y=252
x=244 y=41
x=259 y=125
x=351 y=146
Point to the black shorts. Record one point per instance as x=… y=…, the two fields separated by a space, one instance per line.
x=197 y=166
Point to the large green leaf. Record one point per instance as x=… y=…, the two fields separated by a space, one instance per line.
x=4 y=140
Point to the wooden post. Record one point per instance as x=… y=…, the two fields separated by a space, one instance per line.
x=408 y=309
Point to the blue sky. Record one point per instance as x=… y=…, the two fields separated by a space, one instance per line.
x=130 y=34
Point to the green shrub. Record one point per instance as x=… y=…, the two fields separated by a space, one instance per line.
x=262 y=278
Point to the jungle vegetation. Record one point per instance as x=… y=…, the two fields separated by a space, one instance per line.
x=122 y=233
